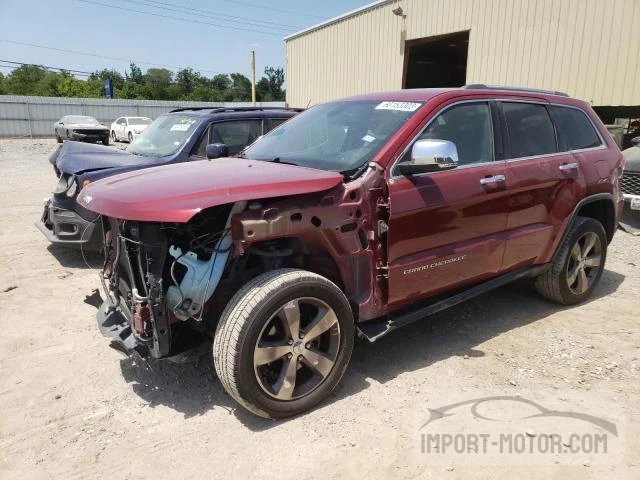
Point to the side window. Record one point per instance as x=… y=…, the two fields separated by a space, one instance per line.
x=469 y=127
x=201 y=148
x=530 y=129
x=276 y=122
x=575 y=130
x=235 y=134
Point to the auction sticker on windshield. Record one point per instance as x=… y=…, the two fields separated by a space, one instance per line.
x=182 y=126
x=400 y=106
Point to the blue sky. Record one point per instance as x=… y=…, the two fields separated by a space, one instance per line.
x=115 y=28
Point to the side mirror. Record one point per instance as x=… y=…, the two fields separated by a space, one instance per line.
x=636 y=141
x=430 y=156
x=217 y=150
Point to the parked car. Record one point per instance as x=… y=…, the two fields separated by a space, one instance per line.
x=359 y=215
x=180 y=136
x=630 y=184
x=81 y=128
x=127 y=128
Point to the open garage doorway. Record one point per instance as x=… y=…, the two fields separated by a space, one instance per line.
x=433 y=62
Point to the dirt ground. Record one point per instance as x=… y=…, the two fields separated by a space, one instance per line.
x=71 y=407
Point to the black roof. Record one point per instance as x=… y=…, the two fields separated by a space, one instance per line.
x=239 y=112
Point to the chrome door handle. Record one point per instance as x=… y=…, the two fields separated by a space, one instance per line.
x=494 y=179
x=568 y=166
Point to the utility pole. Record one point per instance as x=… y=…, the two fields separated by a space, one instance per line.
x=253 y=77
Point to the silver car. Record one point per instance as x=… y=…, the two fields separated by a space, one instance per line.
x=81 y=128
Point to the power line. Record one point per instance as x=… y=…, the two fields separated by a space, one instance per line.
x=215 y=15
x=70 y=70
x=128 y=60
x=180 y=19
x=79 y=73
x=269 y=7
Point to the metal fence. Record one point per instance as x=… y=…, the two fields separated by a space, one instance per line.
x=34 y=116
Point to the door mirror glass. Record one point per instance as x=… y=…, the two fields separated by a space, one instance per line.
x=430 y=155
x=217 y=150
x=636 y=141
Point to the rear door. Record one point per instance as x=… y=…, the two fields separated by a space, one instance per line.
x=446 y=228
x=544 y=182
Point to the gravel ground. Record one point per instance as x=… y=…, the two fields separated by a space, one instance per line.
x=74 y=408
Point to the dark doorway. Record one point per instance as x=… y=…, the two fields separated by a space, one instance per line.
x=433 y=62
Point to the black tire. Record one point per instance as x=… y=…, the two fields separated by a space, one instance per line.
x=105 y=141
x=555 y=283
x=58 y=139
x=247 y=318
x=113 y=136
x=130 y=136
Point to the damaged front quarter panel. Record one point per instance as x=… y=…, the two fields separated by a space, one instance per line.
x=340 y=224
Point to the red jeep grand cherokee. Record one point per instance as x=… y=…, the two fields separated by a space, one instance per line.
x=358 y=215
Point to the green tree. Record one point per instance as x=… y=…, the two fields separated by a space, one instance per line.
x=24 y=80
x=157 y=81
x=1 y=83
x=221 y=82
x=134 y=74
x=240 y=89
x=275 y=77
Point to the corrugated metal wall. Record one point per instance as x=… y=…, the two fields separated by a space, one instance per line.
x=587 y=48
x=34 y=116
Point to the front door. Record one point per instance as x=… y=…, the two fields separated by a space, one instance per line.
x=446 y=229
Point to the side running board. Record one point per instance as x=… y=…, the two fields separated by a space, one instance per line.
x=375 y=329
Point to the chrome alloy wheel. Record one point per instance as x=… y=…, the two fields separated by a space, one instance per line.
x=585 y=260
x=297 y=348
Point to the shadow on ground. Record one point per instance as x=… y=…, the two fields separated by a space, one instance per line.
x=76 y=258
x=193 y=390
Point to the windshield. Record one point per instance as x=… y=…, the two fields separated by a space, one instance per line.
x=80 y=119
x=338 y=136
x=139 y=121
x=164 y=136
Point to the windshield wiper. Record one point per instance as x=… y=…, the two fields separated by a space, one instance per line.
x=277 y=160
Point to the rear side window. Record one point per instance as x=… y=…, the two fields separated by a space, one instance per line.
x=575 y=130
x=530 y=129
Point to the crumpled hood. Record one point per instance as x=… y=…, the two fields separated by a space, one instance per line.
x=632 y=159
x=175 y=193
x=77 y=157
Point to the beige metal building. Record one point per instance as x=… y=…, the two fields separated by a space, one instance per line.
x=589 y=49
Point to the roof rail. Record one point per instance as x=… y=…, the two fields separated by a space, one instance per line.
x=482 y=86
x=233 y=109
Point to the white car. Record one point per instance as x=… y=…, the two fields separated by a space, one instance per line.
x=128 y=128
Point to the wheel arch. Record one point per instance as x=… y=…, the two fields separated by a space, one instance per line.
x=600 y=207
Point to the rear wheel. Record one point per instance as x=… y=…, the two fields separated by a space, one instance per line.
x=577 y=268
x=284 y=342
x=58 y=139
x=105 y=140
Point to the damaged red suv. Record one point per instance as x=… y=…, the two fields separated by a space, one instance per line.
x=357 y=216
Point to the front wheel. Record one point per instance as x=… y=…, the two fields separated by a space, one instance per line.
x=283 y=342
x=578 y=266
x=113 y=136
x=105 y=141
x=130 y=137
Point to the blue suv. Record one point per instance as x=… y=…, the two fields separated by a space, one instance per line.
x=183 y=135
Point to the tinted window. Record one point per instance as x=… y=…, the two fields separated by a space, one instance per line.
x=469 y=127
x=530 y=129
x=235 y=134
x=575 y=130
